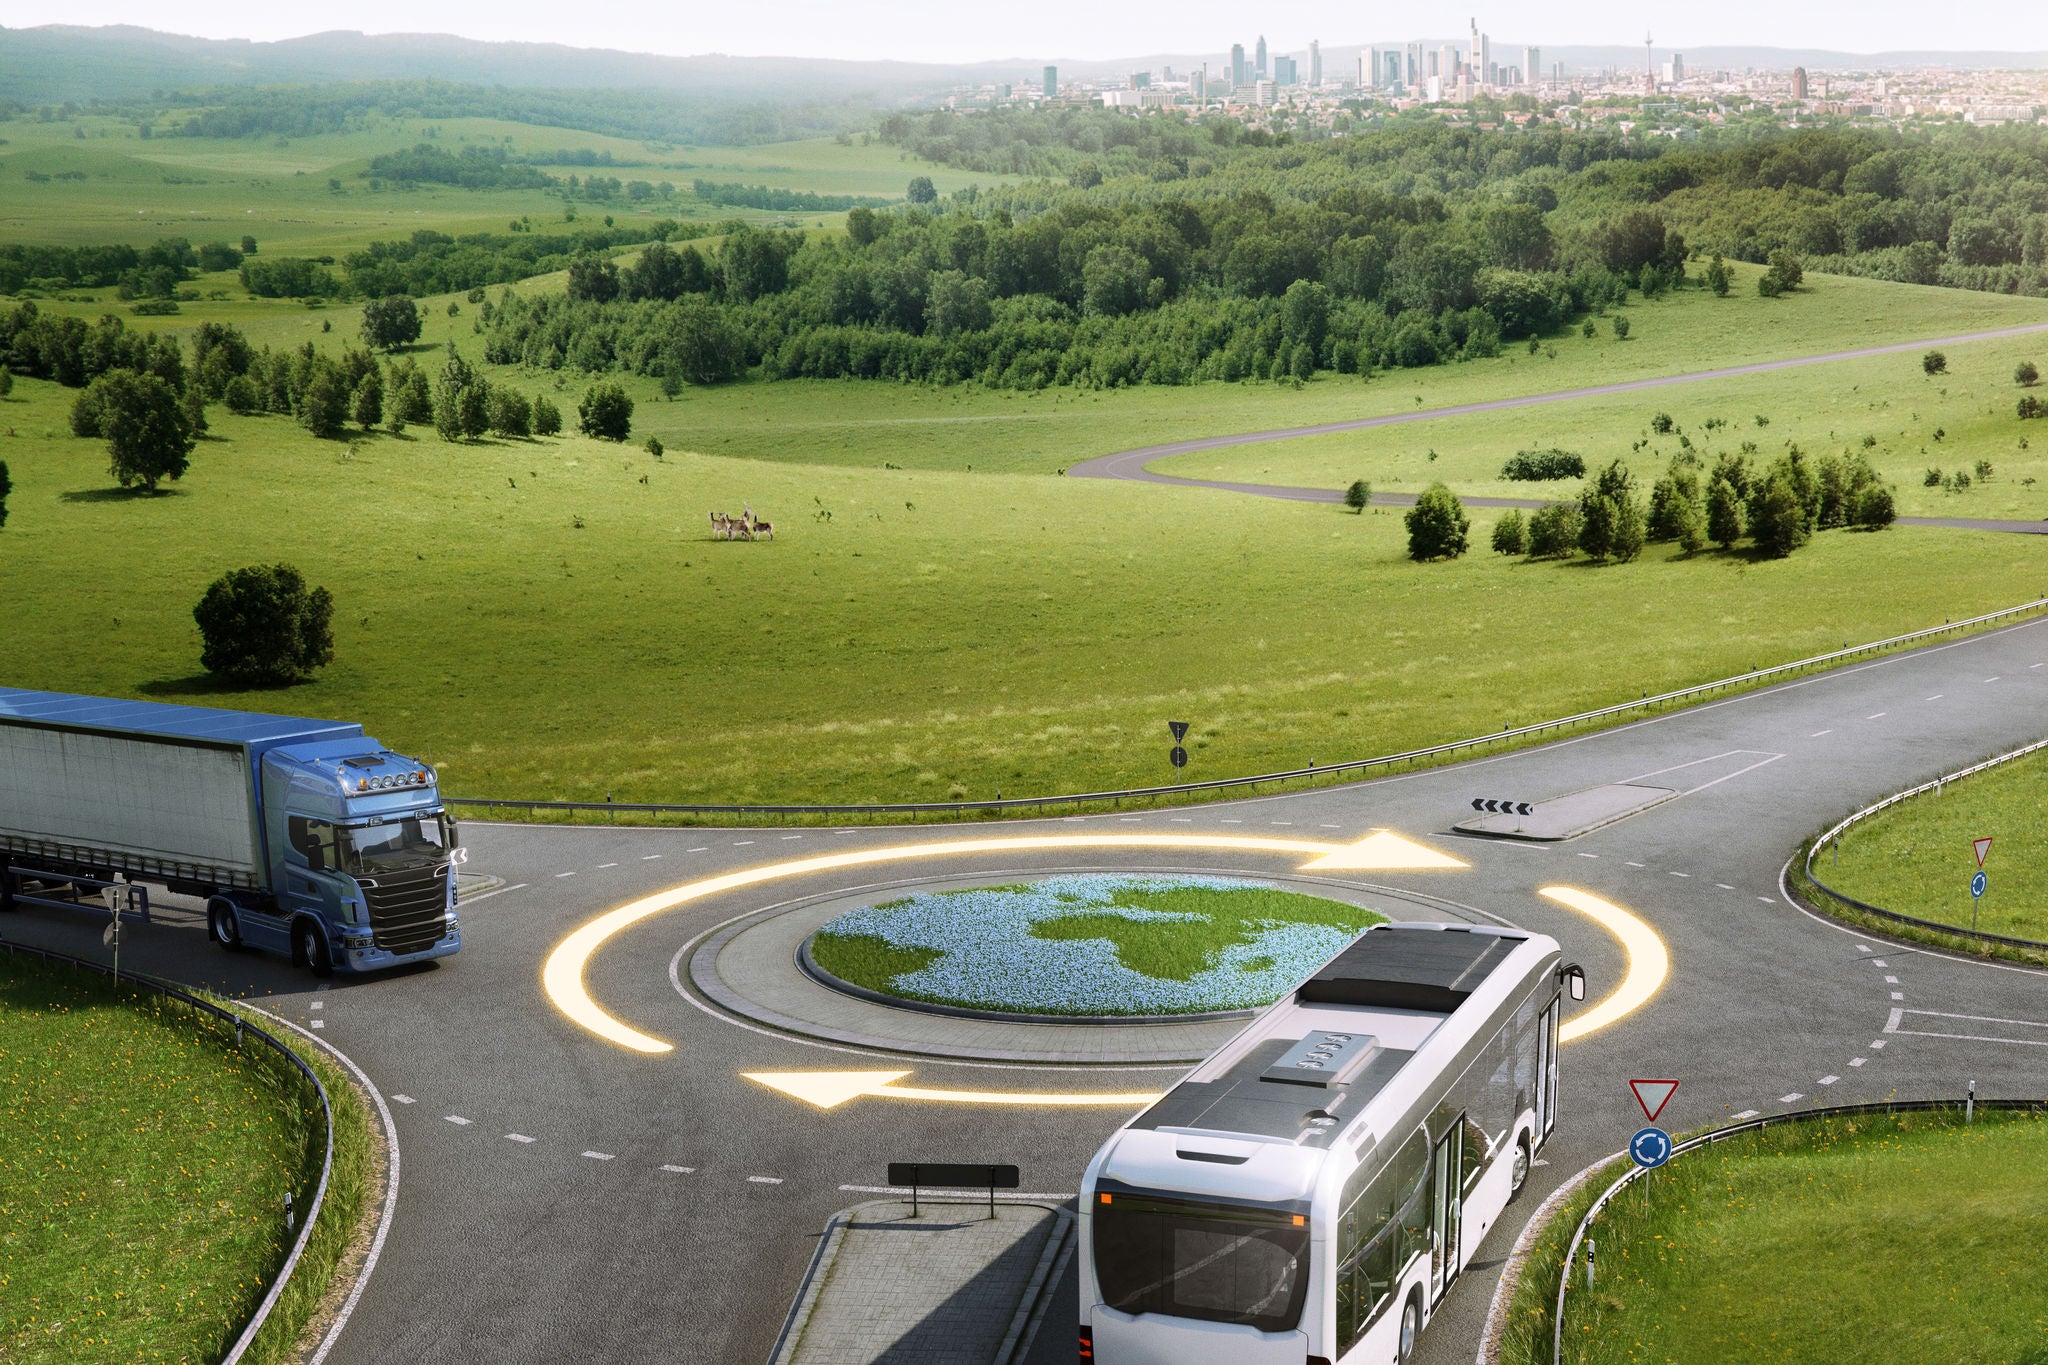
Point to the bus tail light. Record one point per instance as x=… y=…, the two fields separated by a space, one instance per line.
x=1087 y=1344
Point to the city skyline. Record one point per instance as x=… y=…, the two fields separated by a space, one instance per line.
x=1067 y=32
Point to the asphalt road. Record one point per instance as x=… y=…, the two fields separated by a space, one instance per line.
x=1130 y=465
x=563 y=1199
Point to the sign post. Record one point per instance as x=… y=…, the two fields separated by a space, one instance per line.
x=1978 y=883
x=1177 y=756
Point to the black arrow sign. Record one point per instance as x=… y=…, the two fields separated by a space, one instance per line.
x=1179 y=728
x=1499 y=807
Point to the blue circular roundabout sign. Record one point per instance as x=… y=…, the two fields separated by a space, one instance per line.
x=1650 y=1148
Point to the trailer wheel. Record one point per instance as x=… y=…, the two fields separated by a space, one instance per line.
x=221 y=926
x=310 y=947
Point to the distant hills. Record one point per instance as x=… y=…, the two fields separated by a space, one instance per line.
x=56 y=63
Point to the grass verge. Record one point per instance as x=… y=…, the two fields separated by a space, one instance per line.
x=1917 y=858
x=1813 y=1241
x=1532 y=1308
x=144 y=1163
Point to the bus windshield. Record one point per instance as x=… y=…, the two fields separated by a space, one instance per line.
x=1218 y=1262
x=397 y=845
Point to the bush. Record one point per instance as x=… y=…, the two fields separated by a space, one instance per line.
x=1621 y=327
x=654 y=446
x=1662 y=424
x=510 y=414
x=1511 y=534
x=1541 y=466
x=1358 y=495
x=262 y=627
x=1724 y=513
x=6 y=487
x=547 y=418
x=2026 y=374
x=606 y=413
x=390 y=323
x=2031 y=407
x=1437 y=525
x=1778 y=521
x=1934 y=362
x=1554 y=530
x=1784 y=275
x=1984 y=471
x=1875 y=508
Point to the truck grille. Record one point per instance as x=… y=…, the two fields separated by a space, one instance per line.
x=408 y=910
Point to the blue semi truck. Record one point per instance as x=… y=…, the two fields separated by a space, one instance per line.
x=304 y=837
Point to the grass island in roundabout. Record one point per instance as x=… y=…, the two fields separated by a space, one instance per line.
x=1087 y=946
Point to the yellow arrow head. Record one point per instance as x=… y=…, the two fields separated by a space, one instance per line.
x=826 y=1089
x=1382 y=851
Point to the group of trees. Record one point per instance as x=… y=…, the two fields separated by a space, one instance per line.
x=432 y=262
x=471 y=168
x=147 y=272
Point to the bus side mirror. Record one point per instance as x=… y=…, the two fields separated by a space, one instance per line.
x=1575 y=982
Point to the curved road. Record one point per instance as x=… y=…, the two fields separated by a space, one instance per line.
x=567 y=1199
x=1130 y=465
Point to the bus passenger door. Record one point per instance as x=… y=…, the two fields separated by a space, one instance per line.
x=1546 y=1072
x=1446 y=1200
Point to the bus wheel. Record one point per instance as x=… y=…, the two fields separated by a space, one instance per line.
x=1519 y=1173
x=1411 y=1328
x=221 y=926
x=312 y=950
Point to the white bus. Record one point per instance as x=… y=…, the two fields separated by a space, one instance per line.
x=1310 y=1193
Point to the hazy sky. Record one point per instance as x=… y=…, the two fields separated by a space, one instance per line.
x=968 y=30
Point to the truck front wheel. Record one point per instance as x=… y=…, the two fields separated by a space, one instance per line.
x=221 y=926
x=311 y=949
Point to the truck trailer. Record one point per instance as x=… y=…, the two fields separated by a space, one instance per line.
x=305 y=837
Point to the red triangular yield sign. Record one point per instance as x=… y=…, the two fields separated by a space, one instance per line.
x=1983 y=846
x=1653 y=1096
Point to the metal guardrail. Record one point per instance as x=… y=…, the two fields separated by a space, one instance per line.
x=1974 y=935
x=291 y=1260
x=1635 y=1173
x=1310 y=773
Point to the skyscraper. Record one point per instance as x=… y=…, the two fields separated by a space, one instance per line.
x=1532 y=65
x=1315 y=62
x=1237 y=72
x=1482 y=53
x=1798 y=82
x=1286 y=71
x=1052 y=82
x=1262 y=57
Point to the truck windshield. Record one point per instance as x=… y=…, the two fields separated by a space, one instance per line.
x=1222 y=1263
x=409 y=842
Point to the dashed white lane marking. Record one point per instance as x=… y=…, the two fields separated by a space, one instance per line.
x=564 y=874
x=1818 y=733
x=1829 y=1080
x=787 y=837
x=741 y=843
x=1876 y=962
x=1858 y=1061
x=403 y=1099
x=1181 y=819
x=1724 y=886
x=602 y=866
x=1133 y=819
x=1634 y=864
x=705 y=849
x=1329 y=826
x=316 y=1004
x=1863 y=947
x=1589 y=855
x=1897 y=996
x=1766 y=900
x=457 y=1120
x=1993 y=680
x=517 y=1137
x=1877 y=1045
x=764 y=1180
x=1879 y=716
x=319 y=1023
x=1891 y=980
x=1233 y=822
x=649 y=857
x=1792 y=1098
x=2037 y=665
x=1282 y=822
x=1746 y=1114
x=679 y=1170
x=599 y=1156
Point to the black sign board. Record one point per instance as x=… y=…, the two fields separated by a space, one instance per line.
x=1178 y=757
x=953 y=1176
x=1179 y=728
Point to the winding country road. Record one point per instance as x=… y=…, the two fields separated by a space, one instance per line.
x=1130 y=465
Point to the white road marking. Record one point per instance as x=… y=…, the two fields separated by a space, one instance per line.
x=787 y=837
x=679 y=1170
x=764 y=1180
x=1791 y=1098
x=564 y=874
x=1737 y=773
x=457 y=1120
x=1766 y=900
x=1724 y=886
x=1876 y=962
x=1897 y=996
x=1634 y=864
x=1329 y=826
x=1818 y=733
x=319 y=1023
x=1681 y=874
x=649 y=857
x=1858 y=1061
x=1282 y=822
x=1829 y=1080
x=1877 y=1045
x=1879 y=716
x=403 y=1099
x=517 y=1137
x=602 y=866
x=316 y=1004
x=1891 y=980
x=1863 y=947
x=741 y=843
x=1937 y=696
x=1233 y=822
x=1898 y=1017
x=1589 y=855
x=2037 y=665
x=1746 y=1114
x=1181 y=819
x=1132 y=819
x=599 y=1156
x=1993 y=680
x=705 y=849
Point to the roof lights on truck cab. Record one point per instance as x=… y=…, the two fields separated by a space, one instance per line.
x=417 y=778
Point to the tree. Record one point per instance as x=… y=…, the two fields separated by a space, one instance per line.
x=1621 y=327
x=593 y=277
x=547 y=418
x=6 y=381
x=2026 y=374
x=248 y=245
x=456 y=379
x=6 y=487
x=1690 y=526
x=324 y=407
x=1305 y=314
x=1114 y=280
x=1783 y=275
x=921 y=190
x=1718 y=276
x=955 y=302
x=654 y=446
x=1934 y=362
x=1628 y=530
x=1510 y=534
x=367 y=405
x=1875 y=508
x=1437 y=525
x=1358 y=495
x=389 y=323
x=511 y=415
x=1778 y=521
x=148 y=437
x=262 y=627
x=606 y=413
x=473 y=410
x=1554 y=530
x=193 y=401
x=1597 y=518
x=1724 y=513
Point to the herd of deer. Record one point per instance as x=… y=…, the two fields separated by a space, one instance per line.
x=746 y=526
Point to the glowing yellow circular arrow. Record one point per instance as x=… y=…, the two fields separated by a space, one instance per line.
x=562 y=975
x=830 y=1089
x=1648 y=962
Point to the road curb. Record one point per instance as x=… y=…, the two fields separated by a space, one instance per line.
x=1518 y=1259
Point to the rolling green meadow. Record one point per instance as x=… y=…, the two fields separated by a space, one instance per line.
x=940 y=614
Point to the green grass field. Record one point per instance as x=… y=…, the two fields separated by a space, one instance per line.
x=1810 y=1244
x=1917 y=858
x=143 y=1169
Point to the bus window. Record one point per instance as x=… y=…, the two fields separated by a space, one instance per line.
x=1220 y=1263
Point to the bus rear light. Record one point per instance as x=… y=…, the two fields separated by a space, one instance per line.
x=1088 y=1336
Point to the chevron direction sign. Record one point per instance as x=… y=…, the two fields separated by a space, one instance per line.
x=1503 y=807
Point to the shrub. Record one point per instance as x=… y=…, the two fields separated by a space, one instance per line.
x=1588 y=330
x=1662 y=424
x=1875 y=508
x=6 y=487
x=1718 y=277
x=654 y=446
x=1785 y=273
x=262 y=627
x=1437 y=525
x=1511 y=534
x=1934 y=362
x=1358 y=495
x=2026 y=374
x=242 y=396
x=547 y=418
x=1960 y=480
x=511 y=415
x=1621 y=327
x=606 y=413
x=1778 y=521
x=1724 y=513
x=1541 y=466
x=1931 y=479
x=2031 y=407
x=1984 y=471
x=1554 y=530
